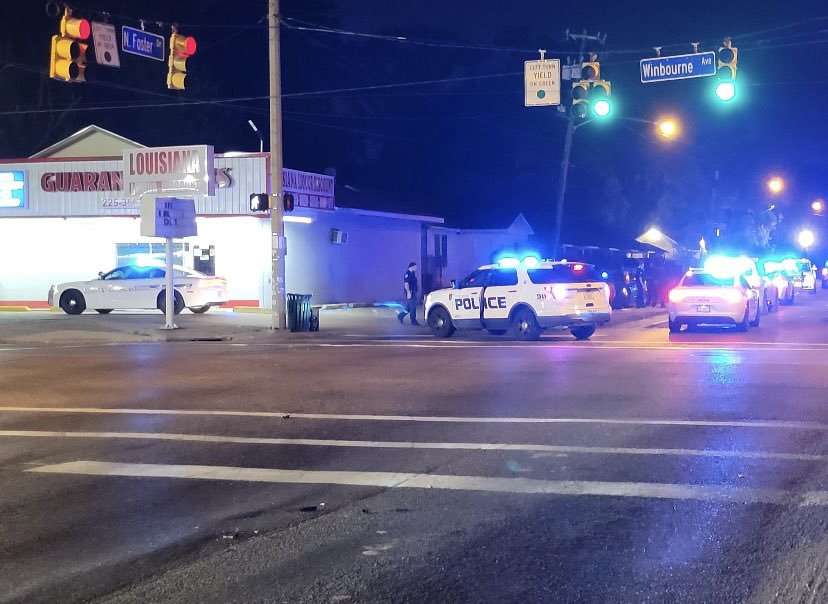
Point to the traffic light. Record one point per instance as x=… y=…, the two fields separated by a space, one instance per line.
x=591 y=70
x=726 y=71
x=599 y=98
x=259 y=202
x=290 y=203
x=580 y=103
x=68 y=58
x=181 y=49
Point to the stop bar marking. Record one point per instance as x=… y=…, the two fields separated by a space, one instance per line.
x=369 y=444
x=717 y=494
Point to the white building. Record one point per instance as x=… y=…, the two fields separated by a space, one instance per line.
x=64 y=217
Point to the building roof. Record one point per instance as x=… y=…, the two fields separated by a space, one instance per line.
x=77 y=144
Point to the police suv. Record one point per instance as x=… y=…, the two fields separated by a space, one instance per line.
x=525 y=296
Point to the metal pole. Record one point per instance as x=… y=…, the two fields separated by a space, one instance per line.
x=277 y=209
x=567 y=152
x=169 y=296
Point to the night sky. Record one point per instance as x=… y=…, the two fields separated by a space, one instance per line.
x=466 y=149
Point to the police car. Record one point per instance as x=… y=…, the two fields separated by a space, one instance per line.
x=526 y=296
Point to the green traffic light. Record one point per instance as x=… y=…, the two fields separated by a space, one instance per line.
x=601 y=108
x=725 y=91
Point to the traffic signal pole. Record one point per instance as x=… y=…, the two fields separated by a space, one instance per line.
x=567 y=152
x=277 y=209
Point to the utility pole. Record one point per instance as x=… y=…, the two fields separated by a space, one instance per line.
x=567 y=150
x=277 y=207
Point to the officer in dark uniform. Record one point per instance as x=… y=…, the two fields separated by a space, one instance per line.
x=411 y=290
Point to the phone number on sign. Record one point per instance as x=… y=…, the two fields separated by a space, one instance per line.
x=119 y=204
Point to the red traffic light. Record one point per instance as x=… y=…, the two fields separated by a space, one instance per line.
x=184 y=45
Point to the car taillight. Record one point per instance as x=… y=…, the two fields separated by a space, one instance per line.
x=606 y=291
x=733 y=295
x=825 y=272
x=215 y=283
x=676 y=295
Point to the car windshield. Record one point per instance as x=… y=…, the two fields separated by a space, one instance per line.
x=564 y=273
x=706 y=280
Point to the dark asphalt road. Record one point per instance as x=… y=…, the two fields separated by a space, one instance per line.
x=374 y=467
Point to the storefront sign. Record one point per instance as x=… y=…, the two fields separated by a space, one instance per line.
x=108 y=180
x=185 y=170
x=309 y=190
x=13 y=189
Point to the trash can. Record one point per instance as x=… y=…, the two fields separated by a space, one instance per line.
x=299 y=312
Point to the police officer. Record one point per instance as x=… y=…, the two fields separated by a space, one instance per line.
x=411 y=290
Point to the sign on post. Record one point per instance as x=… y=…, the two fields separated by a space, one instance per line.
x=678 y=67
x=187 y=170
x=168 y=217
x=106 y=44
x=142 y=43
x=542 y=82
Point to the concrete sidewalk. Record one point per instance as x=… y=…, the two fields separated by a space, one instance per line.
x=44 y=327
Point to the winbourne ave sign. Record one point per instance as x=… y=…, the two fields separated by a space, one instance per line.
x=679 y=67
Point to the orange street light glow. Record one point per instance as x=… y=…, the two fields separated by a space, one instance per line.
x=775 y=185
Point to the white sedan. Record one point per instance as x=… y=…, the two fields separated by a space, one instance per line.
x=139 y=287
x=703 y=298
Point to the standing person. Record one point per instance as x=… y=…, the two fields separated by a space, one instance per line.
x=411 y=290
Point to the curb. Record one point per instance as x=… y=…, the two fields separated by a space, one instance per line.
x=15 y=309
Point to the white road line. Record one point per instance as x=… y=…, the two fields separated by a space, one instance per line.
x=717 y=494
x=592 y=346
x=371 y=444
x=796 y=425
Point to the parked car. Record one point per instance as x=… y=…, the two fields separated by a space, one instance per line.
x=140 y=287
x=705 y=298
x=803 y=272
x=824 y=276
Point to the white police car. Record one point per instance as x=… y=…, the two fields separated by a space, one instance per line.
x=526 y=296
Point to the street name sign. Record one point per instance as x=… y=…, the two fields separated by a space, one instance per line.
x=106 y=44
x=678 y=67
x=168 y=217
x=542 y=82
x=142 y=43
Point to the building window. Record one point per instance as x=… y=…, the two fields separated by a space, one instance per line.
x=144 y=253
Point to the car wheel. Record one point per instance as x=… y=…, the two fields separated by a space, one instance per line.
x=497 y=332
x=525 y=325
x=440 y=323
x=72 y=302
x=199 y=310
x=582 y=332
x=673 y=326
x=755 y=322
x=178 y=302
x=103 y=311
x=743 y=326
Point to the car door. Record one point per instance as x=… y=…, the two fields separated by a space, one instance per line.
x=753 y=297
x=109 y=289
x=500 y=294
x=466 y=303
x=147 y=284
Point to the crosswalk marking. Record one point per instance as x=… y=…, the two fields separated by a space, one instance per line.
x=717 y=494
x=774 y=424
x=531 y=448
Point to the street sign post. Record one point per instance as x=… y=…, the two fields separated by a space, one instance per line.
x=142 y=43
x=106 y=44
x=542 y=82
x=678 y=67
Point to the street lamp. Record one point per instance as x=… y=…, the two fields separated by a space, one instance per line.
x=806 y=238
x=668 y=128
x=818 y=206
x=653 y=235
x=261 y=138
x=775 y=185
